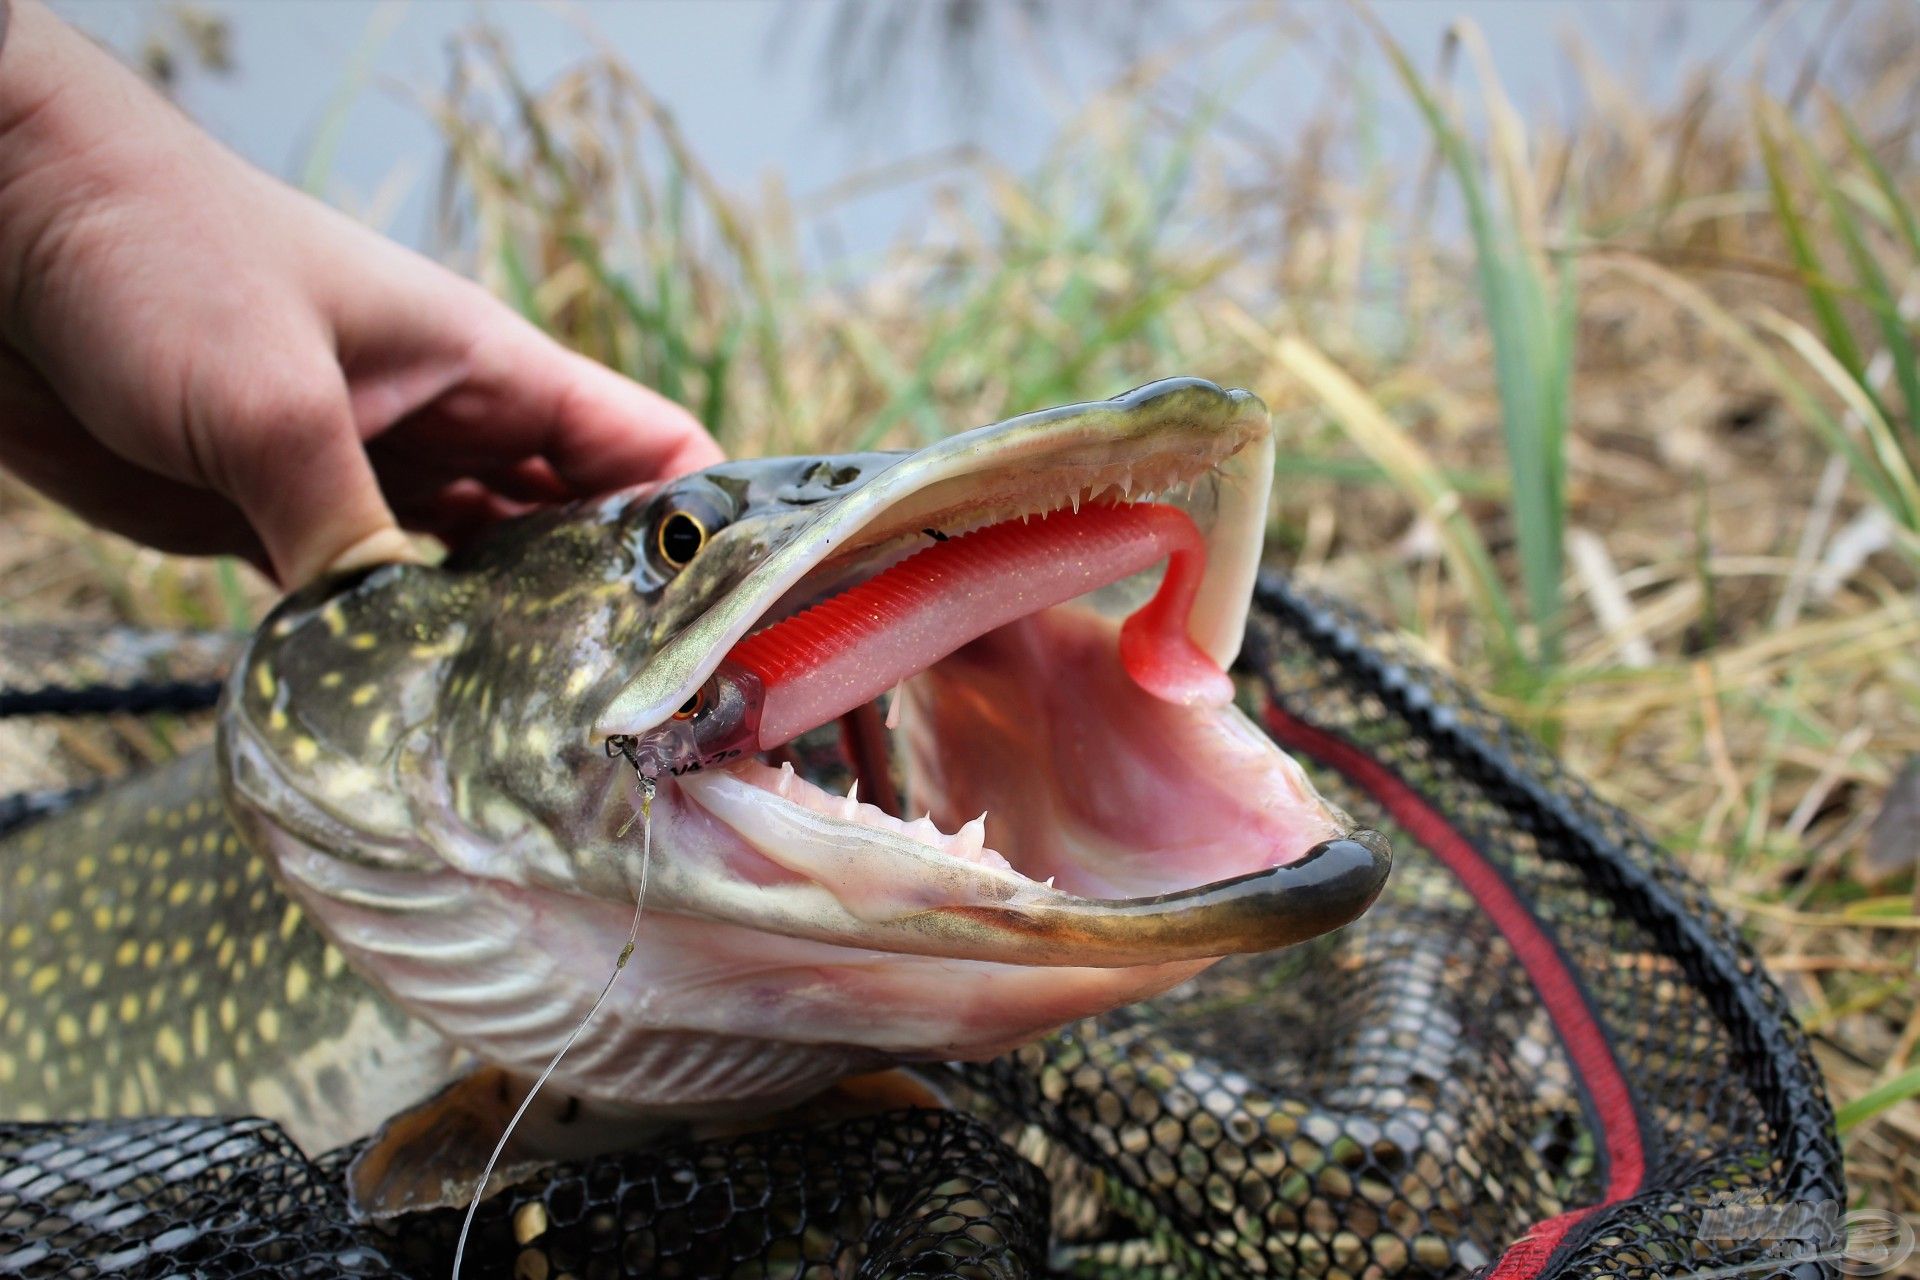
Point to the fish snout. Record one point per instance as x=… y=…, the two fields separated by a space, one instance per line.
x=1331 y=885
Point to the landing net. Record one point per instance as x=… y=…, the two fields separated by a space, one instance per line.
x=1544 y=1052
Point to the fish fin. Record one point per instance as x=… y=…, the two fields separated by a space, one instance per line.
x=901 y=1088
x=430 y=1155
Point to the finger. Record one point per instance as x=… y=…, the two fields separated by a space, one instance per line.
x=599 y=429
x=306 y=485
x=44 y=445
x=462 y=510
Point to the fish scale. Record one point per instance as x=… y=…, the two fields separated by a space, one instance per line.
x=153 y=964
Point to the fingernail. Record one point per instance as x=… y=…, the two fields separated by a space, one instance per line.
x=383 y=546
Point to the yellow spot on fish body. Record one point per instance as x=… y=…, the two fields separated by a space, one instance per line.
x=119 y=852
x=154 y=953
x=102 y=919
x=332 y=962
x=289 y=922
x=269 y=1024
x=66 y=1029
x=202 y=1036
x=304 y=751
x=43 y=980
x=181 y=891
x=91 y=973
x=129 y=1008
x=20 y=935
x=229 y=1013
x=363 y=641
x=85 y=866
x=225 y=1079
x=36 y=1045
x=182 y=949
x=377 y=729
x=257 y=953
x=126 y=953
x=298 y=983
x=7 y=1069
x=332 y=680
x=263 y=681
x=167 y=1043
x=97 y=1018
x=365 y=694
x=61 y=920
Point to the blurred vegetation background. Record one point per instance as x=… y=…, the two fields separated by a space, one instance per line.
x=1612 y=406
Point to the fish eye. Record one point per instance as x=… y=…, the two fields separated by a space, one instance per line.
x=678 y=537
x=693 y=706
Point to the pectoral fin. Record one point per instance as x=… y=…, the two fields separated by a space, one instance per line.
x=430 y=1155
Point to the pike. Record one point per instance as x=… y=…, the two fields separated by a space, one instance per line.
x=398 y=881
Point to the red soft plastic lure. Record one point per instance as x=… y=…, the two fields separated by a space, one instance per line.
x=850 y=648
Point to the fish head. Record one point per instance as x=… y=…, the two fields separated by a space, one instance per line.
x=426 y=754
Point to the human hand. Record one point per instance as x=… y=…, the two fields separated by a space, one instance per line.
x=199 y=357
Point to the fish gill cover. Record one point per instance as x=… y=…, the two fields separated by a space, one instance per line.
x=1544 y=1052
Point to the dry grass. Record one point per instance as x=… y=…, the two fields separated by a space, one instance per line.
x=1680 y=616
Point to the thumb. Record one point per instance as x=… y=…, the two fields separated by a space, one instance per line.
x=306 y=485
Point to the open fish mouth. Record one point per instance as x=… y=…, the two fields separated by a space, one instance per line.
x=1090 y=795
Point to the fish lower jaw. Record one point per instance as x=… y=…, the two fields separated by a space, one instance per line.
x=967 y=843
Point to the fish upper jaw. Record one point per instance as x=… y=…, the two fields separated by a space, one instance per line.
x=1179 y=433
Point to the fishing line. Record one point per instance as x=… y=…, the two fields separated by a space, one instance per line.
x=626 y=953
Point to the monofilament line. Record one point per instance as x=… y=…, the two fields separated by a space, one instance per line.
x=626 y=953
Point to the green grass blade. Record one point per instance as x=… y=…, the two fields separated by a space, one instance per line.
x=1875 y=290
x=1531 y=360
x=1822 y=295
x=1883 y=1098
x=1898 y=207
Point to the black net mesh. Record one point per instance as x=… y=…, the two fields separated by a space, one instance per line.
x=1543 y=1052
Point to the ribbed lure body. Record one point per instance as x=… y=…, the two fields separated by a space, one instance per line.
x=849 y=649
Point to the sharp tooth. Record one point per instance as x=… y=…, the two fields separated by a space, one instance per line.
x=1049 y=882
x=923 y=830
x=972 y=836
x=1126 y=483
x=893 y=708
x=1076 y=502
x=853 y=792
x=786 y=778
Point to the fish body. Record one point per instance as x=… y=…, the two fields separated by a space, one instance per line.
x=415 y=845
x=154 y=965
